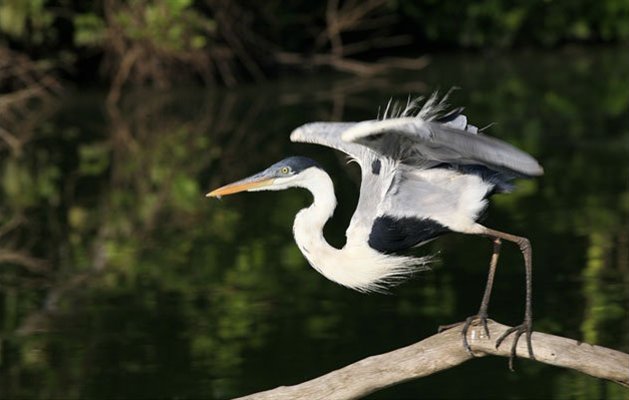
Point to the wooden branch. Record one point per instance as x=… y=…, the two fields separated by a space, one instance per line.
x=445 y=350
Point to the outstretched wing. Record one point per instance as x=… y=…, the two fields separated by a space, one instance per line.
x=414 y=140
x=329 y=134
x=421 y=140
x=410 y=142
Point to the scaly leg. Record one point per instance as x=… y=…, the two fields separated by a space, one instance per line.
x=527 y=324
x=482 y=312
x=484 y=305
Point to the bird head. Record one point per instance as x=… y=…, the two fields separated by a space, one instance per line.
x=290 y=172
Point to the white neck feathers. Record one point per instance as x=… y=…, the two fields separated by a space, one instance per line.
x=356 y=266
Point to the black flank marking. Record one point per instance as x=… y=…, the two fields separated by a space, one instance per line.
x=390 y=234
x=375 y=167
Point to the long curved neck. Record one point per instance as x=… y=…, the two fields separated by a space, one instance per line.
x=309 y=222
x=356 y=265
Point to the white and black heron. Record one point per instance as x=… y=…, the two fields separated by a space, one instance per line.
x=425 y=172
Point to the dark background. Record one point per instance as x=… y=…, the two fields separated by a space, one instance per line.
x=119 y=279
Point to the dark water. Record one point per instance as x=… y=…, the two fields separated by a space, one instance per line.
x=119 y=279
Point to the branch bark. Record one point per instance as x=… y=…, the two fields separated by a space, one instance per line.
x=445 y=350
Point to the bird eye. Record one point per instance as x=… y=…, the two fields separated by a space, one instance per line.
x=285 y=170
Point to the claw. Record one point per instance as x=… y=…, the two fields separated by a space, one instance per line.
x=466 y=326
x=484 y=322
x=443 y=328
x=518 y=330
x=505 y=334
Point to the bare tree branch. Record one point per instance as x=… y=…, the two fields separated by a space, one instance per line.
x=443 y=351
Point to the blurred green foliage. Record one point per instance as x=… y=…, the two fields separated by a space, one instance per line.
x=223 y=37
x=171 y=25
x=89 y=30
x=28 y=22
x=504 y=23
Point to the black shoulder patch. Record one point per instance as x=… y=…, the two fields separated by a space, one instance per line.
x=375 y=167
x=389 y=234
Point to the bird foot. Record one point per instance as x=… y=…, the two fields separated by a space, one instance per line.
x=480 y=317
x=525 y=327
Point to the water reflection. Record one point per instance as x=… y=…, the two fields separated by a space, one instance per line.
x=119 y=279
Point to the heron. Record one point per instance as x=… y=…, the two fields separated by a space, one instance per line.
x=425 y=172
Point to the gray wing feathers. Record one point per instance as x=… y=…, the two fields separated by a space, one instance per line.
x=460 y=122
x=414 y=141
x=480 y=148
x=329 y=134
x=441 y=142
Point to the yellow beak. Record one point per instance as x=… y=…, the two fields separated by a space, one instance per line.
x=240 y=186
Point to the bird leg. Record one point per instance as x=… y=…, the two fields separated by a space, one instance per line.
x=527 y=324
x=484 y=305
